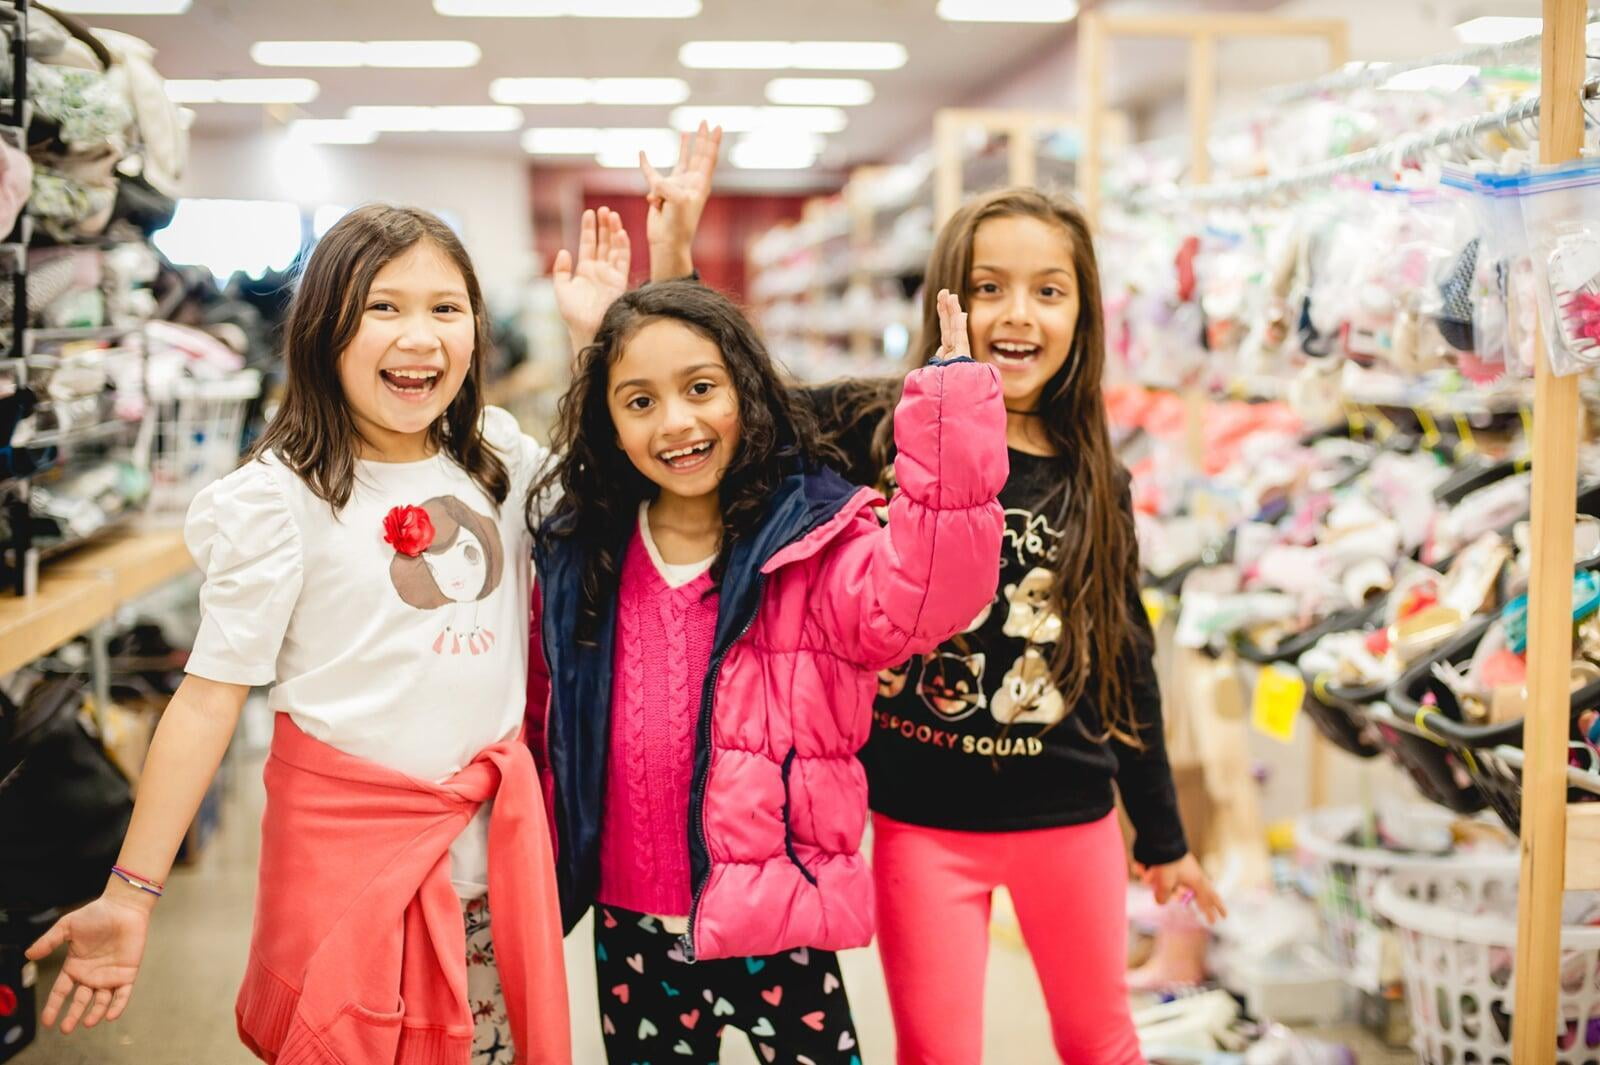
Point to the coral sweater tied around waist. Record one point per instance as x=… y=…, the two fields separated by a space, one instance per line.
x=359 y=952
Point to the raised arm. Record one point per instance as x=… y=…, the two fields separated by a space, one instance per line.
x=677 y=199
x=906 y=587
x=586 y=289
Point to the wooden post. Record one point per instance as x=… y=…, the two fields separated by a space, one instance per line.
x=947 y=167
x=1021 y=128
x=1555 y=434
x=1092 y=106
x=1202 y=101
x=1022 y=151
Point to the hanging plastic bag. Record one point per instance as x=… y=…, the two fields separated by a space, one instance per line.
x=1472 y=318
x=1507 y=311
x=1561 y=211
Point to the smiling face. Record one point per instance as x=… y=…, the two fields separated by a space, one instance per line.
x=673 y=404
x=411 y=352
x=1022 y=304
x=459 y=570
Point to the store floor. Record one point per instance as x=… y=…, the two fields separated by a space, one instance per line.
x=182 y=1009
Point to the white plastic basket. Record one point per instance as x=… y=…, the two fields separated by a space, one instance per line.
x=1458 y=938
x=1343 y=880
x=194 y=437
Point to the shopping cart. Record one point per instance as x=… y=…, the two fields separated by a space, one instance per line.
x=194 y=437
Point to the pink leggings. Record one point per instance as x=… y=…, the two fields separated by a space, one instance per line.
x=1070 y=889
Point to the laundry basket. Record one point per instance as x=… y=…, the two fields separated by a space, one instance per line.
x=1458 y=936
x=195 y=437
x=1343 y=878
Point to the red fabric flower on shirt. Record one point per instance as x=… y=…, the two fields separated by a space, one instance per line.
x=408 y=530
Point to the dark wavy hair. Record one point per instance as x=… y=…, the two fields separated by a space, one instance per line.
x=1098 y=554
x=600 y=489
x=313 y=432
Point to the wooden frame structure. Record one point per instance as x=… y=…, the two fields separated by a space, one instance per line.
x=1097 y=30
x=1545 y=867
x=1020 y=128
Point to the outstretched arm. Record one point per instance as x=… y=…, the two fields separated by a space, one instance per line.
x=105 y=939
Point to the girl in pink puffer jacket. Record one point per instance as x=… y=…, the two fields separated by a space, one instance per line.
x=715 y=605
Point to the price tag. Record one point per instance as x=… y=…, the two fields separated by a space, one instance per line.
x=1155 y=606
x=1280 y=692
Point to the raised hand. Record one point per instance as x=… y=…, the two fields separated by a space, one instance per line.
x=953 y=342
x=584 y=292
x=676 y=201
x=105 y=942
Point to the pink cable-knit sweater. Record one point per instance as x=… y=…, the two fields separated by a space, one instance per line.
x=663 y=649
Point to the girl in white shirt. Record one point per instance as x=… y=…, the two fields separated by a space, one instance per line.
x=364 y=563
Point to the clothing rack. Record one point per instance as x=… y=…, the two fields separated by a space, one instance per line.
x=1346 y=81
x=14 y=250
x=1405 y=149
x=1480 y=55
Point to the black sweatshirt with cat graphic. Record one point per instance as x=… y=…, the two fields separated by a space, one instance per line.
x=975 y=737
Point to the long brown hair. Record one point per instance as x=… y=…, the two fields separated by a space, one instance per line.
x=1098 y=557
x=313 y=432
x=600 y=489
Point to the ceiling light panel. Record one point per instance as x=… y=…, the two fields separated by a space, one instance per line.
x=848 y=55
x=796 y=55
x=739 y=119
x=663 y=92
x=1007 y=10
x=772 y=151
x=332 y=131
x=407 y=54
x=242 y=91
x=620 y=147
x=402 y=119
x=652 y=9
x=561 y=140
x=831 y=92
x=660 y=91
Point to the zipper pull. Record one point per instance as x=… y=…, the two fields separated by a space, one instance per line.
x=686 y=946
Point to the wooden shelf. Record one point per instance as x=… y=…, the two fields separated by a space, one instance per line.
x=79 y=590
x=134 y=562
x=64 y=607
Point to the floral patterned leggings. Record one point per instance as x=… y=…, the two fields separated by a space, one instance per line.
x=491 y=1039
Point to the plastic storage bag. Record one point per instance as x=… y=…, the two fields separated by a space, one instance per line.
x=1561 y=212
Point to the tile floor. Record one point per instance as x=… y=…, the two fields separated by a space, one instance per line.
x=182 y=1011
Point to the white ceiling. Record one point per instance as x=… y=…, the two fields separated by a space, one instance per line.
x=950 y=63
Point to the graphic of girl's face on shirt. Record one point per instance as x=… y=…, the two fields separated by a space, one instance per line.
x=462 y=564
x=460 y=569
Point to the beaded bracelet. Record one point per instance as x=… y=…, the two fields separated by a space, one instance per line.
x=137 y=881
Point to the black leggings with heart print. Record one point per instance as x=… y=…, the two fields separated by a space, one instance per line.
x=656 y=1007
